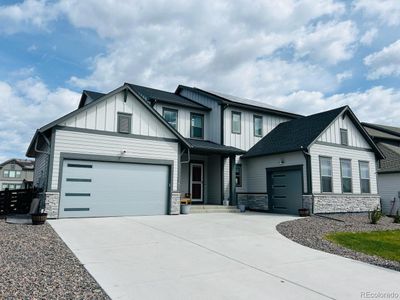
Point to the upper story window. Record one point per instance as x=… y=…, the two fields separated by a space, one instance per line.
x=171 y=116
x=196 y=126
x=124 y=123
x=238 y=175
x=326 y=174
x=11 y=174
x=258 y=125
x=345 y=169
x=344 y=137
x=364 y=177
x=236 y=122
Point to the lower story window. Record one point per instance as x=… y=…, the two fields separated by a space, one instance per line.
x=238 y=175
x=345 y=168
x=364 y=177
x=326 y=174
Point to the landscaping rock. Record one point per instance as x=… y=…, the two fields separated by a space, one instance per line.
x=311 y=232
x=36 y=264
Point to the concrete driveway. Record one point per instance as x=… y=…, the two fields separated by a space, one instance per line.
x=214 y=256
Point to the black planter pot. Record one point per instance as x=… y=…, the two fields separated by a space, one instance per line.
x=304 y=212
x=39 y=219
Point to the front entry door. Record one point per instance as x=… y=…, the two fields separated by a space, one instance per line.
x=196 y=182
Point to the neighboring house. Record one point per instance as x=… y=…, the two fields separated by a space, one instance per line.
x=16 y=174
x=137 y=150
x=387 y=139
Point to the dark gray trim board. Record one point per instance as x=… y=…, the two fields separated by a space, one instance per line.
x=51 y=160
x=113 y=133
x=105 y=158
x=343 y=146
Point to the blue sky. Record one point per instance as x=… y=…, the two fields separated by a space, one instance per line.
x=302 y=55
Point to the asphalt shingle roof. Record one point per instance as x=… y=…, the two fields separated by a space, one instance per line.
x=391 y=163
x=94 y=95
x=294 y=135
x=208 y=146
x=154 y=94
x=375 y=133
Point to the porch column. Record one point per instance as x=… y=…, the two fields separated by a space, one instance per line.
x=232 y=181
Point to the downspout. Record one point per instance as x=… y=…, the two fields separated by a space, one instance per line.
x=307 y=157
x=223 y=107
x=42 y=197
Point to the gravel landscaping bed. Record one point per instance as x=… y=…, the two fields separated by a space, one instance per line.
x=36 y=264
x=310 y=232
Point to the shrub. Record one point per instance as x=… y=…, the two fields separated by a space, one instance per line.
x=375 y=215
x=397 y=217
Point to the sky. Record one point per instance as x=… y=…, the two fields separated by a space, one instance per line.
x=304 y=56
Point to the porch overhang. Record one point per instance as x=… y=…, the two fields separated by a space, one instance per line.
x=208 y=147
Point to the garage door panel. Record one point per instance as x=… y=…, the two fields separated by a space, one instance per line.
x=113 y=189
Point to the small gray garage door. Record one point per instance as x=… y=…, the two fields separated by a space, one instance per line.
x=94 y=189
x=286 y=191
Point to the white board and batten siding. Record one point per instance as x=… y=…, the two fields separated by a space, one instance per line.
x=389 y=190
x=332 y=133
x=95 y=144
x=246 y=139
x=103 y=116
x=359 y=150
x=184 y=121
x=256 y=177
x=336 y=153
x=213 y=130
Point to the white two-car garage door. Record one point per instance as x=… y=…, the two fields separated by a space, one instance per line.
x=94 y=189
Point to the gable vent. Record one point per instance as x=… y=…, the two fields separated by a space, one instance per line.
x=124 y=123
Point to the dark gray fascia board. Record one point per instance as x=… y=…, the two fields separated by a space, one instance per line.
x=202 y=107
x=364 y=133
x=347 y=109
x=276 y=153
x=112 y=133
x=222 y=100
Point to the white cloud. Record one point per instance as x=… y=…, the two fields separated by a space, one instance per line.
x=376 y=105
x=386 y=11
x=160 y=44
x=369 y=36
x=330 y=42
x=385 y=62
x=344 y=75
x=29 y=104
x=27 y=16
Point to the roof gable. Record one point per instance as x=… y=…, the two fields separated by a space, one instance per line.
x=295 y=135
x=300 y=134
x=127 y=89
x=222 y=98
x=151 y=94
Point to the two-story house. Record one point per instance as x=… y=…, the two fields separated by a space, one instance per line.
x=16 y=174
x=137 y=150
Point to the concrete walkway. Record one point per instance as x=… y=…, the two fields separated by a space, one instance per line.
x=214 y=256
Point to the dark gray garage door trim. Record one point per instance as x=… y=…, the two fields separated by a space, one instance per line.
x=269 y=172
x=117 y=159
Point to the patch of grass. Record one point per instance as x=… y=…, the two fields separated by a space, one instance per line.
x=385 y=244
